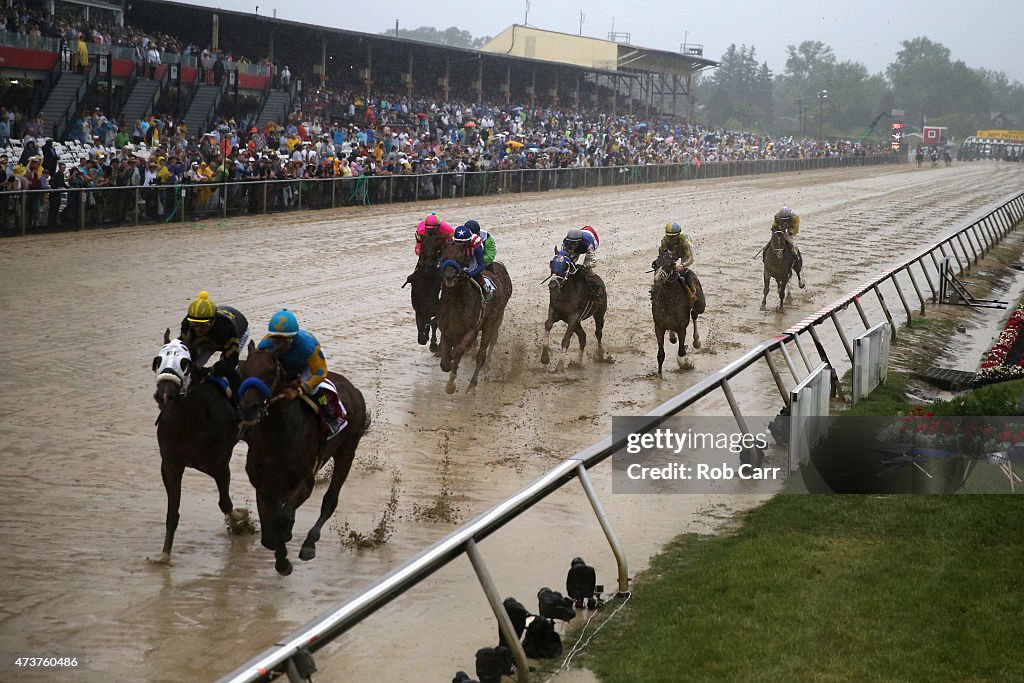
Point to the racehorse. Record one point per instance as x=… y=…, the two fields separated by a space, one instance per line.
x=570 y=300
x=462 y=315
x=196 y=428
x=288 y=446
x=673 y=307
x=426 y=285
x=780 y=262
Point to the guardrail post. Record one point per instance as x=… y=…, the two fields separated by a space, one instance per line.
x=82 y=203
x=861 y=313
x=885 y=309
x=913 y=281
x=903 y=299
x=24 y=212
x=504 y=624
x=298 y=203
x=224 y=200
x=789 y=362
x=135 y=206
x=334 y=188
x=993 y=226
x=928 y=277
x=837 y=389
x=727 y=390
x=960 y=239
x=842 y=336
x=606 y=527
x=984 y=239
x=803 y=354
x=776 y=376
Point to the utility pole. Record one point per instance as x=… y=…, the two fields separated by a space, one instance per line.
x=396 y=28
x=583 y=17
x=526 y=16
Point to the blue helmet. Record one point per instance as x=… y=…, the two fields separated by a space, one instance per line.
x=474 y=226
x=283 y=324
x=462 y=234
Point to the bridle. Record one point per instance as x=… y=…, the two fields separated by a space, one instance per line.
x=267 y=391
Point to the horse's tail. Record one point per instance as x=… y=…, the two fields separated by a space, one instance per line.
x=369 y=423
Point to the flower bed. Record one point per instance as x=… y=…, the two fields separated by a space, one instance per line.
x=1006 y=358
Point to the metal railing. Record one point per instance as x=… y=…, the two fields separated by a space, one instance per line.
x=219 y=200
x=278 y=659
x=75 y=106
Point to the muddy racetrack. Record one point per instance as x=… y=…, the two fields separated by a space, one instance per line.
x=82 y=501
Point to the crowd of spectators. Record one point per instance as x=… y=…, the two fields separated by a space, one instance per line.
x=387 y=135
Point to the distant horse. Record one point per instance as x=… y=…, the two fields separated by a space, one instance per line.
x=196 y=428
x=673 y=307
x=780 y=262
x=287 y=447
x=571 y=300
x=426 y=286
x=461 y=313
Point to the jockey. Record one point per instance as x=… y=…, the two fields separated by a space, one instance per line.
x=473 y=250
x=432 y=222
x=678 y=244
x=302 y=360
x=490 y=249
x=207 y=329
x=584 y=243
x=786 y=219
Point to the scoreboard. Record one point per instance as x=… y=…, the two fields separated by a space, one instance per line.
x=897 y=135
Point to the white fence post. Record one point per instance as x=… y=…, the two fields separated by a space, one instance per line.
x=807 y=415
x=870 y=360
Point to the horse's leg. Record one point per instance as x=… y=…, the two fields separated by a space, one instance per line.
x=696 y=335
x=446 y=353
x=342 y=464
x=571 y=324
x=433 y=335
x=598 y=332
x=767 y=286
x=545 y=355
x=236 y=518
x=581 y=335
x=456 y=357
x=171 y=474
x=659 y=332
x=782 y=295
x=487 y=338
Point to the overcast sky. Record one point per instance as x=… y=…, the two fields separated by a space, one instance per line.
x=983 y=33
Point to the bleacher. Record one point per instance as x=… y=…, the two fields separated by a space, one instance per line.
x=69 y=152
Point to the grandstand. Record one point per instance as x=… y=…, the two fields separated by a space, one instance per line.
x=633 y=80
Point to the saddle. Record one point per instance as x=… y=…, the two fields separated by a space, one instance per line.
x=331 y=425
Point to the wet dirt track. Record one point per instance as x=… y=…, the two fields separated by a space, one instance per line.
x=80 y=493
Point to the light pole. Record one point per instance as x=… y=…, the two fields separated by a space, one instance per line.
x=822 y=96
x=800 y=115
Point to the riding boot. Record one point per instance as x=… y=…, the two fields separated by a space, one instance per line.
x=488 y=293
x=327 y=413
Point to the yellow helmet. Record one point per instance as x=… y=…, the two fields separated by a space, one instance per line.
x=673 y=229
x=202 y=309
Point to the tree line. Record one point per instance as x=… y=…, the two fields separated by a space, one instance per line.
x=744 y=94
x=816 y=92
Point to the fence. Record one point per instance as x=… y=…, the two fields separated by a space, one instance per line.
x=808 y=405
x=870 y=360
x=986 y=231
x=108 y=206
